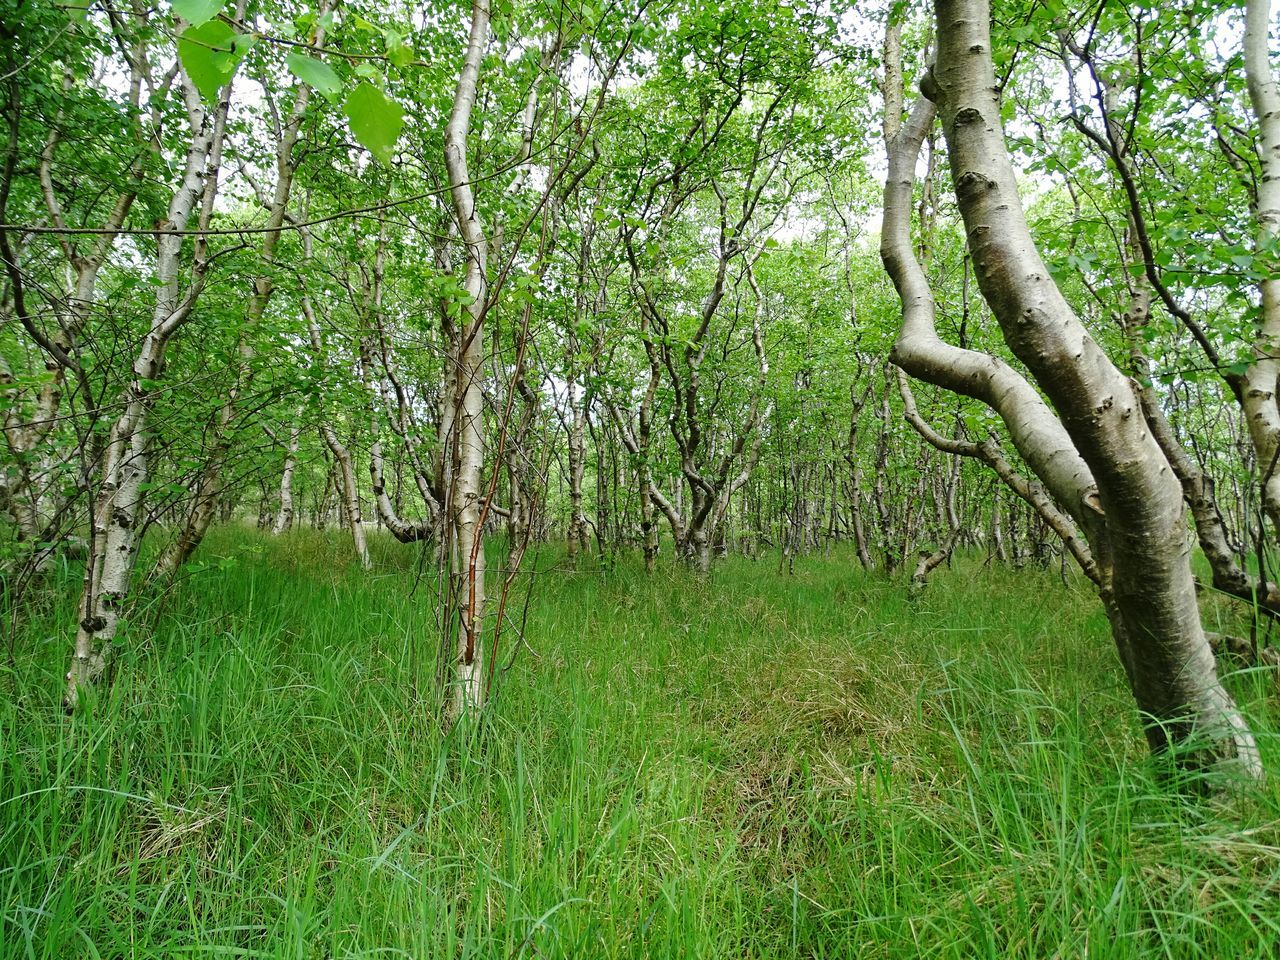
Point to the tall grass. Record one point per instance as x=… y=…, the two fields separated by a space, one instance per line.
x=758 y=766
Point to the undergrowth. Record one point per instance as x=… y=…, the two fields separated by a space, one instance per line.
x=761 y=765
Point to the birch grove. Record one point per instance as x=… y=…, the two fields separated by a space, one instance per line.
x=672 y=282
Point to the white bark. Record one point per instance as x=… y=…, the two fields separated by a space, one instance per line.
x=1137 y=527
x=468 y=561
x=26 y=493
x=1260 y=401
x=577 y=534
x=989 y=453
x=119 y=499
x=284 y=517
x=24 y=434
x=577 y=401
x=1034 y=429
x=349 y=491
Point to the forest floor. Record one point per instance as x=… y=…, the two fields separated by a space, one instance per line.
x=765 y=765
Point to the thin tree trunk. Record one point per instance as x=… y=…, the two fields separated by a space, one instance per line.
x=1261 y=406
x=467 y=558
x=284 y=518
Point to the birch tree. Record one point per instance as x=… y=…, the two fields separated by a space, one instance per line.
x=467 y=558
x=119 y=491
x=1093 y=449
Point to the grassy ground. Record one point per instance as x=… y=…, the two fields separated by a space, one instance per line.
x=762 y=766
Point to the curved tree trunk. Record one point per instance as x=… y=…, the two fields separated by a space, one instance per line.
x=1097 y=455
x=119 y=500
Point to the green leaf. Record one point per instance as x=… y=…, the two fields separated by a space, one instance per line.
x=210 y=54
x=401 y=55
x=197 y=12
x=242 y=44
x=375 y=120
x=315 y=73
x=77 y=10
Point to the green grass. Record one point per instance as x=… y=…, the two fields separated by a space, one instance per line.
x=760 y=766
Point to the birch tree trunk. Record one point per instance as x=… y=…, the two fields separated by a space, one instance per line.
x=120 y=494
x=344 y=474
x=857 y=402
x=1097 y=455
x=393 y=398
x=1260 y=400
x=348 y=492
x=467 y=559
x=577 y=402
x=284 y=518
x=577 y=535
x=1257 y=400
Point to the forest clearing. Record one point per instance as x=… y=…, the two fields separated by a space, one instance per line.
x=646 y=478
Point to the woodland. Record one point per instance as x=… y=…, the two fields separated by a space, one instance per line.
x=639 y=478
